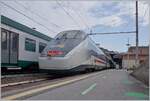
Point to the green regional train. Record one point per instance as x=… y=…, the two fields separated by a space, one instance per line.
x=20 y=45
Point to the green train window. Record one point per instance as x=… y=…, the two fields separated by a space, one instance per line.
x=41 y=46
x=4 y=39
x=30 y=45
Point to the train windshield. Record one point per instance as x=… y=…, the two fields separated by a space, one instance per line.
x=64 y=42
x=70 y=35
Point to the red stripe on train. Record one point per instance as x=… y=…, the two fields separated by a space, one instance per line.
x=99 y=61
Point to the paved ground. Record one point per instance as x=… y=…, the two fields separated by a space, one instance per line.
x=103 y=85
x=109 y=84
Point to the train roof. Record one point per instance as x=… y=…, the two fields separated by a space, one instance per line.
x=73 y=31
x=7 y=21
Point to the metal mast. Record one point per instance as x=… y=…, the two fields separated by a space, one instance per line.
x=137 y=31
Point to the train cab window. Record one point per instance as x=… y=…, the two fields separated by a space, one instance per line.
x=30 y=45
x=67 y=35
x=71 y=35
x=60 y=36
x=41 y=46
x=79 y=36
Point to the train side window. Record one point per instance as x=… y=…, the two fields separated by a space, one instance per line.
x=4 y=39
x=30 y=45
x=14 y=39
x=41 y=46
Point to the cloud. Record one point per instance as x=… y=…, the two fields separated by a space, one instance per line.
x=84 y=13
x=111 y=21
x=129 y=9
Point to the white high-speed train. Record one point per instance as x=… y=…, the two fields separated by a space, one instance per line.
x=72 y=50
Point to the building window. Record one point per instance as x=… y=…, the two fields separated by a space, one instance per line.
x=41 y=46
x=30 y=45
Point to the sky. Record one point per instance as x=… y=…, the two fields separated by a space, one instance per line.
x=51 y=17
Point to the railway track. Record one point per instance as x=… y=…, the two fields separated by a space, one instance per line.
x=22 y=82
x=10 y=80
x=21 y=75
x=20 y=79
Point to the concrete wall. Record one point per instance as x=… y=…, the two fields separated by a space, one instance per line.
x=128 y=64
x=142 y=72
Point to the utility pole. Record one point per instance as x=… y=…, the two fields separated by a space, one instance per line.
x=137 y=31
x=128 y=45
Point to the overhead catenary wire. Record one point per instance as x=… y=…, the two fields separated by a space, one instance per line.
x=37 y=14
x=86 y=25
x=107 y=33
x=68 y=13
x=28 y=17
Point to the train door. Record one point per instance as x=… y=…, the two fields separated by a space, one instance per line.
x=4 y=47
x=9 y=47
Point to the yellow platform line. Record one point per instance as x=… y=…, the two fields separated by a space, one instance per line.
x=22 y=94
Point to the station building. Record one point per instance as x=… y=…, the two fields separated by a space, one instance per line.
x=128 y=60
x=20 y=45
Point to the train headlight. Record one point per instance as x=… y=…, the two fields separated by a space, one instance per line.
x=54 y=52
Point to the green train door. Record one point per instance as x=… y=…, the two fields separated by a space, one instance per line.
x=9 y=48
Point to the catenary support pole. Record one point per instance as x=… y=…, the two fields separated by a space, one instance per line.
x=137 y=32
